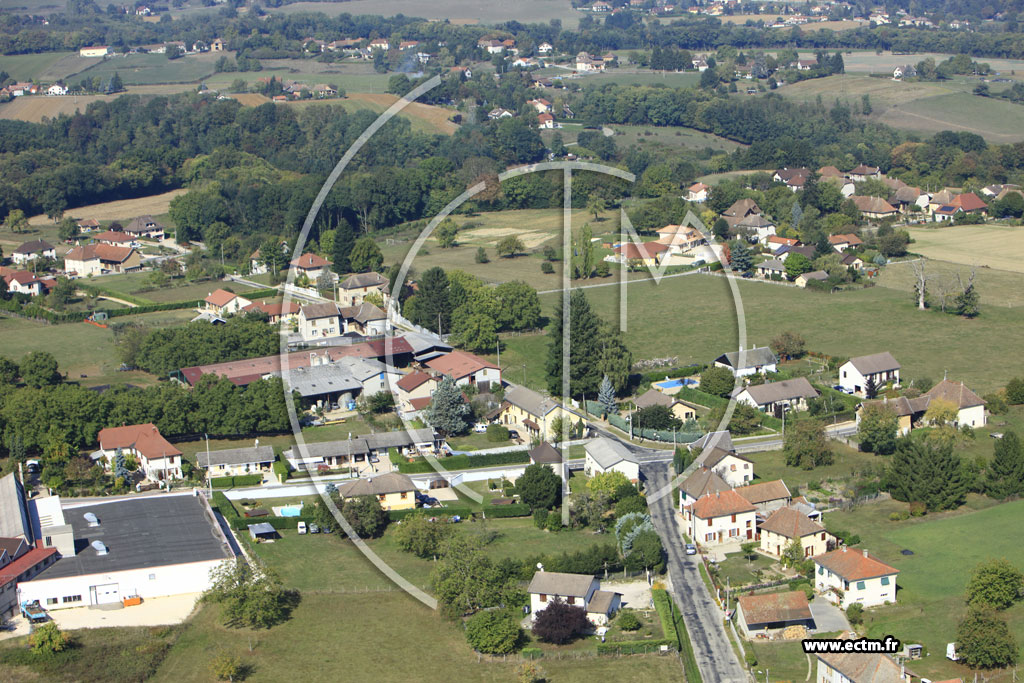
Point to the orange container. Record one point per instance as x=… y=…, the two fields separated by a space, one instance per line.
x=133 y=600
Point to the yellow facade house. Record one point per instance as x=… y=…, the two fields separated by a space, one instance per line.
x=532 y=413
x=394 y=491
x=786 y=525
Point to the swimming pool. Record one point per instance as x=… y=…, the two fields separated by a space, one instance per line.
x=291 y=511
x=676 y=383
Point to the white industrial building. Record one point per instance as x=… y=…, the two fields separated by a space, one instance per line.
x=150 y=547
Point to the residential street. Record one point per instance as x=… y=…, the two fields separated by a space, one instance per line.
x=715 y=656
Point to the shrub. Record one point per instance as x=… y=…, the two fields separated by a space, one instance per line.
x=918 y=509
x=554 y=521
x=751 y=658
x=560 y=623
x=513 y=510
x=497 y=433
x=494 y=632
x=629 y=621
x=547 y=268
x=855 y=613
x=281 y=470
x=540 y=518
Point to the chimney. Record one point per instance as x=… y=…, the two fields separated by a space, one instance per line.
x=865 y=552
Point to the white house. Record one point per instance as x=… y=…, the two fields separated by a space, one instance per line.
x=57 y=89
x=236 y=461
x=545 y=48
x=30 y=251
x=580 y=590
x=785 y=525
x=605 y=455
x=148 y=547
x=880 y=368
x=698 y=192
x=854 y=667
x=319 y=321
x=747 y=362
x=715 y=452
x=99 y=51
x=156 y=456
x=774 y=397
x=855 y=576
x=719 y=518
x=466 y=369
x=222 y=302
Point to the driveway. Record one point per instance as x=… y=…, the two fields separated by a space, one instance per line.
x=827 y=617
x=715 y=656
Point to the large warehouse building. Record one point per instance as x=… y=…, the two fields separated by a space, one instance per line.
x=152 y=546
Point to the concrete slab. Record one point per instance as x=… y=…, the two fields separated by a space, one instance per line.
x=152 y=612
x=828 y=617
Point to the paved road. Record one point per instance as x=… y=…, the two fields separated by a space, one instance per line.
x=840 y=431
x=715 y=656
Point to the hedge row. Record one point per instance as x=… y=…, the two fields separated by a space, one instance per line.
x=511 y=510
x=465 y=462
x=674 y=627
x=281 y=470
x=240 y=480
x=634 y=647
x=701 y=398
x=671 y=373
x=449 y=511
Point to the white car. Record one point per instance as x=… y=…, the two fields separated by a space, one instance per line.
x=480 y=427
x=302 y=527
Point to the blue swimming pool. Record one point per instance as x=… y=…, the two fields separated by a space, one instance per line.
x=675 y=383
x=291 y=511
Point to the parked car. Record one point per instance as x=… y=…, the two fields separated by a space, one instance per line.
x=480 y=427
x=691 y=549
x=302 y=527
x=314 y=529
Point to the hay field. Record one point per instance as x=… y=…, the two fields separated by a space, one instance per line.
x=424 y=117
x=148 y=69
x=37 y=107
x=996 y=287
x=994 y=119
x=122 y=209
x=671 y=137
x=44 y=67
x=455 y=11
x=993 y=245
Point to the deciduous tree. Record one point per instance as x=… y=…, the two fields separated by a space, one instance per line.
x=539 y=487
x=806 y=445
x=996 y=584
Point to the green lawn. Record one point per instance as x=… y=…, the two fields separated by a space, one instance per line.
x=178 y=289
x=40 y=65
x=931 y=583
x=847 y=464
x=475 y=441
x=146 y=69
x=642 y=77
x=739 y=571
x=79 y=348
x=692 y=318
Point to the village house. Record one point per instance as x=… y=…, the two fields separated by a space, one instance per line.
x=531 y=413
x=24 y=282
x=116 y=238
x=606 y=455
x=546 y=121
x=545 y=48
x=720 y=518
x=631 y=254
x=879 y=368
x=145 y=226
x=804 y=279
x=546 y=454
x=744 y=363
x=542 y=105
x=843 y=242
x=277 y=311
x=739 y=210
x=467 y=369
x=414 y=391
x=698 y=192
x=873 y=207
x=223 y=303
x=777 y=397
x=57 y=90
x=319 y=321
x=393 y=491
x=256 y=265
x=785 y=251
x=310 y=265
x=96 y=259
x=766 y=496
x=380 y=44
x=680 y=409
x=584 y=63
x=581 y=590
x=855 y=576
x=680 y=238
x=233 y=462
x=98 y=51
x=774 y=242
x=88 y=225
x=970 y=408
x=365 y=319
x=772 y=269
x=761 y=614
x=699 y=484
x=785 y=525
x=864 y=667
x=861 y=172
x=499 y=113
x=157 y=458
x=30 y=251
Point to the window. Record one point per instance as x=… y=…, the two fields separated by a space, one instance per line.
x=405 y=495
x=570 y=600
x=732 y=468
x=709 y=522
x=823 y=535
x=748 y=523
x=734 y=532
x=51 y=601
x=885 y=580
x=381 y=497
x=860 y=585
x=71 y=598
x=734 y=518
x=821 y=571
x=709 y=537
x=543 y=598
x=47 y=542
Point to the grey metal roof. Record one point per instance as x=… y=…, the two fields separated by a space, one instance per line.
x=236 y=456
x=786 y=390
x=150 y=531
x=421 y=342
x=14 y=519
x=722 y=439
x=262 y=528
x=317 y=380
x=399 y=439
x=601 y=602
x=316 y=311
x=751 y=358
x=330 y=449
x=363 y=280
x=361 y=368
x=561 y=583
x=607 y=452
x=702 y=482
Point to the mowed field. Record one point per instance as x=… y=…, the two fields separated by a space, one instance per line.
x=44 y=67
x=37 y=107
x=770 y=19
x=996 y=287
x=153 y=205
x=147 y=69
x=638 y=77
x=425 y=118
x=992 y=245
x=692 y=318
x=932 y=580
x=455 y=11
x=670 y=137
x=349 y=76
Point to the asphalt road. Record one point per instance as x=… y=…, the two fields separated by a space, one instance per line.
x=715 y=657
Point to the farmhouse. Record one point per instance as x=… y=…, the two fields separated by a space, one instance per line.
x=866 y=667
x=767 y=496
x=759 y=614
x=856 y=576
x=879 y=369
x=652 y=397
x=158 y=459
x=699 y=484
x=318 y=321
x=145 y=226
x=786 y=525
x=30 y=251
x=873 y=207
x=605 y=455
x=354 y=289
x=970 y=408
x=117 y=238
x=718 y=518
x=145 y=547
x=222 y=302
x=365 y=319
x=860 y=173
x=843 y=242
x=394 y=491
x=99 y=51
x=777 y=397
x=582 y=590
x=698 y=192
x=747 y=362
x=770 y=269
x=236 y=461
x=95 y=259
x=467 y=369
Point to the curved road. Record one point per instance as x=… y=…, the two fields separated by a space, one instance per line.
x=715 y=657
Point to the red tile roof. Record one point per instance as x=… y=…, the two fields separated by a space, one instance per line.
x=103 y=252
x=144 y=438
x=12 y=571
x=459 y=364
x=791 y=524
x=720 y=504
x=274 y=308
x=850 y=239
x=968 y=201
x=854 y=565
x=413 y=380
x=641 y=251
x=310 y=261
x=420 y=403
x=773 y=608
x=111 y=236
x=221 y=297
x=764 y=492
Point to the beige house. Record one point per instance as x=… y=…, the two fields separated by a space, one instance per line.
x=699 y=484
x=786 y=525
x=394 y=491
x=414 y=390
x=318 y=321
x=95 y=259
x=911 y=411
x=775 y=397
x=767 y=496
x=862 y=667
x=354 y=289
x=580 y=590
x=680 y=409
x=720 y=518
x=236 y=461
x=759 y=614
x=847 y=575
x=310 y=265
x=608 y=455
x=532 y=413
x=222 y=302
x=467 y=369
x=157 y=458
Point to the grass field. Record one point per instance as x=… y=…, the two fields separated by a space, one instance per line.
x=931 y=583
x=996 y=246
x=79 y=348
x=44 y=66
x=996 y=287
x=640 y=77
x=148 y=69
x=155 y=205
x=848 y=462
x=425 y=118
x=455 y=11
x=34 y=108
x=349 y=77
x=670 y=138
x=692 y=318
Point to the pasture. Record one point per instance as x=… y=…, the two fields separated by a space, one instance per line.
x=996 y=287
x=43 y=67
x=994 y=245
x=150 y=69
x=671 y=138
x=37 y=107
x=946 y=547
x=425 y=118
x=669 y=79
x=455 y=11
x=692 y=317
x=351 y=77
